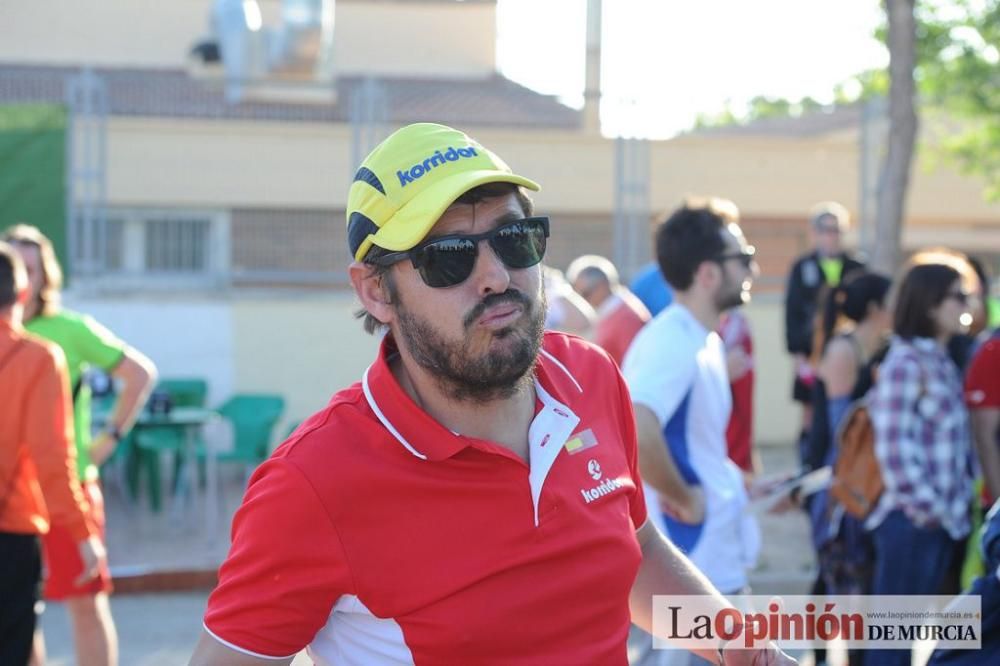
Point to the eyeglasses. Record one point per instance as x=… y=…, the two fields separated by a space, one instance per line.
x=744 y=256
x=447 y=261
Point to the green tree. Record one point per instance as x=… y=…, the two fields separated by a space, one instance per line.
x=958 y=70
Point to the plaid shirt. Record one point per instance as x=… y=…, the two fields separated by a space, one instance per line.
x=922 y=438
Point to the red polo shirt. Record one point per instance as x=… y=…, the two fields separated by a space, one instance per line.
x=374 y=535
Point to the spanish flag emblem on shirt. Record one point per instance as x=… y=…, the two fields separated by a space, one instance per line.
x=581 y=441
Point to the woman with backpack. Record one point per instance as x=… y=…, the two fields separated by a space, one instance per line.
x=852 y=336
x=856 y=324
x=922 y=439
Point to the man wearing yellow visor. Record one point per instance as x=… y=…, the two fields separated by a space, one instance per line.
x=475 y=498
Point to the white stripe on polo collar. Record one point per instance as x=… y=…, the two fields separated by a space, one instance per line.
x=564 y=369
x=384 y=419
x=402 y=440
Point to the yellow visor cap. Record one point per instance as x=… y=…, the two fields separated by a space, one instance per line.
x=407 y=182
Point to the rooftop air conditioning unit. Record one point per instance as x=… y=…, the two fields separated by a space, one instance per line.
x=300 y=48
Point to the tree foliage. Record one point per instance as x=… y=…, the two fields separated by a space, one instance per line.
x=957 y=71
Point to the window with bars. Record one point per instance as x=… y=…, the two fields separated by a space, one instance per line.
x=178 y=245
x=150 y=245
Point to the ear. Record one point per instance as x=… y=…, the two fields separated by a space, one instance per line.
x=23 y=296
x=708 y=274
x=371 y=291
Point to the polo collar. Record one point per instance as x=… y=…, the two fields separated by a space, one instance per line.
x=423 y=436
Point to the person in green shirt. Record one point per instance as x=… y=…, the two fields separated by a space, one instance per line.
x=86 y=344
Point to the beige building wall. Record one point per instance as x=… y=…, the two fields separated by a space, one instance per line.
x=777 y=418
x=205 y=163
x=123 y=33
x=440 y=39
x=305 y=347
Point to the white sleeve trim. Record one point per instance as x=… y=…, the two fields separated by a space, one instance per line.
x=242 y=650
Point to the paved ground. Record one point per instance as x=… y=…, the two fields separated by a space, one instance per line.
x=160 y=629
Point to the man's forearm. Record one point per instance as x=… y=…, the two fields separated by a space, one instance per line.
x=655 y=463
x=985 y=423
x=138 y=374
x=665 y=570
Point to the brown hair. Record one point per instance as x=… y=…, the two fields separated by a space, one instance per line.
x=473 y=196
x=926 y=279
x=13 y=279
x=52 y=276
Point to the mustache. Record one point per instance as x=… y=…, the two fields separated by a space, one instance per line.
x=509 y=296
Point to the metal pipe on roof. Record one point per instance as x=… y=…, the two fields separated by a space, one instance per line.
x=592 y=86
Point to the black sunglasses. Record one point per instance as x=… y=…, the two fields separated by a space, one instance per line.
x=449 y=260
x=959 y=296
x=744 y=256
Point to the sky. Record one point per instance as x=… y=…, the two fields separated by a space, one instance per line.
x=666 y=61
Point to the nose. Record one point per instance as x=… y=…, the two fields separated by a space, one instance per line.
x=491 y=275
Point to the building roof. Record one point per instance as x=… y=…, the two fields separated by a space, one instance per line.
x=174 y=93
x=816 y=123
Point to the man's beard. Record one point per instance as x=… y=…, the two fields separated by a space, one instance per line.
x=730 y=296
x=495 y=375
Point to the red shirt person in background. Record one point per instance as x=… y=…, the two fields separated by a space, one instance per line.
x=620 y=315
x=735 y=333
x=982 y=395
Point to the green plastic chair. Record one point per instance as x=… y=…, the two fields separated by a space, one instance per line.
x=253 y=417
x=150 y=443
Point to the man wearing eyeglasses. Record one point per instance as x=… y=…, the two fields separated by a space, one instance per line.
x=475 y=499
x=676 y=372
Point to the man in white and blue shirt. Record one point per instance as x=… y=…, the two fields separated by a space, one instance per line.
x=676 y=372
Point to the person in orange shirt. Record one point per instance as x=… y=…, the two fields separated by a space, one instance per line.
x=620 y=314
x=38 y=484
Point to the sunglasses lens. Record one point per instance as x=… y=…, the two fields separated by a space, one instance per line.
x=450 y=261
x=447 y=262
x=520 y=245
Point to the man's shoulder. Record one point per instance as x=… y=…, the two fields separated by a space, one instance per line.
x=989 y=352
x=804 y=258
x=631 y=308
x=670 y=328
x=62 y=322
x=853 y=261
x=59 y=317
x=345 y=422
x=667 y=340
x=572 y=361
x=38 y=350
